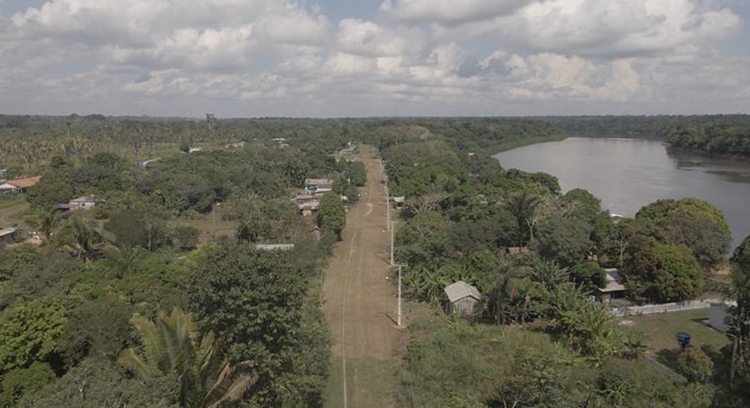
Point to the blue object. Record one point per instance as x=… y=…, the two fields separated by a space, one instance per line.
x=683 y=338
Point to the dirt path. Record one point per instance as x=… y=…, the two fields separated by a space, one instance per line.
x=360 y=304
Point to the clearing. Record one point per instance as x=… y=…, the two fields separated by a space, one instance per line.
x=12 y=209
x=660 y=330
x=360 y=304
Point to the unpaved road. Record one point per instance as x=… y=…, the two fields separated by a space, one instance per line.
x=360 y=304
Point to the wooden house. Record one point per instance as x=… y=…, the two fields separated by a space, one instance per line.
x=462 y=298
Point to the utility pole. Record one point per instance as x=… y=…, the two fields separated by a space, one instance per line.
x=398 y=318
x=392 y=245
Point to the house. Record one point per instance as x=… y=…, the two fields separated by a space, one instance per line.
x=318 y=185
x=19 y=185
x=615 y=289
x=398 y=202
x=516 y=250
x=308 y=208
x=274 y=247
x=462 y=298
x=349 y=149
x=81 y=203
x=6 y=234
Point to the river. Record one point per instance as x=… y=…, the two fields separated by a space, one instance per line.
x=627 y=174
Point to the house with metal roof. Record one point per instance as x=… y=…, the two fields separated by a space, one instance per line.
x=19 y=185
x=462 y=298
x=615 y=288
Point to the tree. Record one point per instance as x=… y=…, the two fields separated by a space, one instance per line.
x=171 y=344
x=98 y=328
x=31 y=331
x=564 y=240
x=47 y=220
x=523 y=207
x=186 y=236
x=97 y=383
x=256 y=300
x=694 y=364
x=331 y=214
x=538 y=379
x=662 y=273
x=22 y=381
x=589 y=275
x=693 y=222
x=739 y=316
x=136 y=227
x=83 y=238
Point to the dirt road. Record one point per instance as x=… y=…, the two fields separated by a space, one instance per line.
x=360 y=304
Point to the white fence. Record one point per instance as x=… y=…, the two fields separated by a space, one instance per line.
x=663 y=308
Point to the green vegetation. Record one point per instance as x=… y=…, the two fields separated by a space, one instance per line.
x=84 y=317
x=716 y=138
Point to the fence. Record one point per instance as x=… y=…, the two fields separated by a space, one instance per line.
x=663 y=308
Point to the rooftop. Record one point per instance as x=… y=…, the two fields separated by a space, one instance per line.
x=460 y=290
x=7 y=231
x=274 y=247
x=614 y=281
x=25 y=182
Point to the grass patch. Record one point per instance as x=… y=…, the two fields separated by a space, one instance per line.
x=12 y=209
x=660 y=330
x=208 y=227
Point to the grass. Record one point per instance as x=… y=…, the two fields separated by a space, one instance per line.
x=660 y=330
x=12 y=209
x=207 y=225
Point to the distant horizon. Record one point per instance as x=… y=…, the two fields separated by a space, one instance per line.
x=147 y=116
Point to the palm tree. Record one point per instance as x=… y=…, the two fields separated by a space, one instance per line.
x=85 y=239
x=523 y=206
x=123 y=260
x=171 y=344
x=47 y=219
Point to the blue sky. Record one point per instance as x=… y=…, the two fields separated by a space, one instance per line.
x=334 y=58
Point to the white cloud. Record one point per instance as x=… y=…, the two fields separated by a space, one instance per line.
x=449 y=11
x=410 y=57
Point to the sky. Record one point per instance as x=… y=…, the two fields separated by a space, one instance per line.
x=367 y=58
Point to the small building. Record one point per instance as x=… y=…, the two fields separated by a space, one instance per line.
x=318 y=185
x=398 y=202
x=462 y=298
x=19 y=185
x=615 y=289
x=81 y=203
x=274 y=247
x=308 y=208
x=195 y=149
x=516 y=250
x=6 y=234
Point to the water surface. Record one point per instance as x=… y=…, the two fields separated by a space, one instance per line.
x=627 y=174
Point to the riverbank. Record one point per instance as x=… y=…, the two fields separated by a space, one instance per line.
x=504 y=147
x=702 y=153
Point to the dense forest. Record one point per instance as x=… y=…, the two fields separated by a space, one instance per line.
x=164 y=295
x=731 y=140
x=649 y=127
